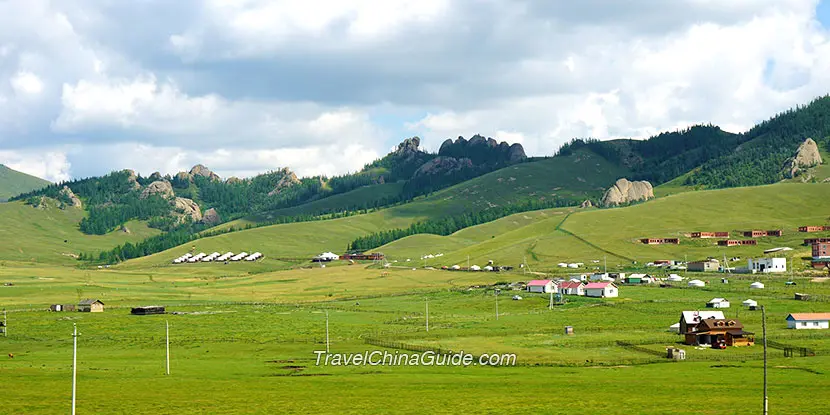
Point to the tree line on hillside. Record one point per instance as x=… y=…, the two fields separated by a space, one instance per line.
x=451 y=224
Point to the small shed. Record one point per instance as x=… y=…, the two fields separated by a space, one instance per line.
x=91 y=306
x=56 y=307
x=756 y=285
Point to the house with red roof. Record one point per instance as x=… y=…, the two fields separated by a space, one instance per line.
x=800 y=321
x=541 y=286
x=602 y=290
x=572 y=288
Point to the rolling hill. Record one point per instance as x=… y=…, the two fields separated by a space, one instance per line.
x=579 y=176
x=548 y=237
x=13 y=183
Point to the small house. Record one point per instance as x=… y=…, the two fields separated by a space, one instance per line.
x=541 y=286
x=801 y=321
x=689 y=319
x=601 y=290
x=714 y=331
x=636 y=279
x=604 y=277
x=572 y=288
x=91 y=306
x=767 y=265
x=711 y=265
x=55 y=307
x=718 y=303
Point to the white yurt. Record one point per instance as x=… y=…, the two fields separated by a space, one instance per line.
x=488 y=268
x=455 y=267
x=756 y=285
x=475 y=268
x=674 y=278
x=750 y=303
x=696 y=283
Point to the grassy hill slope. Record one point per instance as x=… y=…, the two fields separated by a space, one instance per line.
x=575 y=177
x=51 y=235
x=589 y=235
x=13 y=183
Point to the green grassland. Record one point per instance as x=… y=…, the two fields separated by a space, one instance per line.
x=13 y=183
x=50 y=235
x=592 y=234
x=228 y=357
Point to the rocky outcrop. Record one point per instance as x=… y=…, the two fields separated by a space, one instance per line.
x=287 y=180
x=233 y=180
x=68 y=197
x=516 y=153
x=132 y=178
x=183 y=176
x=624 y=191
x=161 y=188
x=156 y=176
x=211 y=217
x=806 y=156
x=586 y=204
x=201 y=170
x=442 y=165
x=408 y=146
x=187 y=208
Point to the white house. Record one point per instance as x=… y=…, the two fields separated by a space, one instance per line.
x=801 y=321
x=690 y=319
x=718 y=303
x=572 y=288
x=601 y=289
x=601 y=277
x=766 y=265
x=541 y=286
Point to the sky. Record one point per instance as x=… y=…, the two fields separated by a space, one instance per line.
x=326 y=86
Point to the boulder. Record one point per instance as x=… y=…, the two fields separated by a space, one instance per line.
x=805 y=157
x=125 y=229
x=187 y=208
x=586 y=204
x=445 y=146
x=211 y=217
x=162 y=188
x=443 y=165
x=201 y=170
x=624 y=191
x=287 y=180
x=70 y=198
x=408 y=146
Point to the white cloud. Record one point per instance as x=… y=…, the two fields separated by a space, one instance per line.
x=26 y=83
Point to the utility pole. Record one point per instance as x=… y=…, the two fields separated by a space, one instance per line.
x=685 y=265
x=496 y=292
x=327 y=331
x=468 y=262
x=764 y=328
x=606 y=265
x=167 y=341
x=427 y=313
x=5 y=325
x=74 y=363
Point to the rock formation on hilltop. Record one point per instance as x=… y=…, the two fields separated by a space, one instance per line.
x=211 y=217
x=442 y=165
x=162 y=188
x=156 y=176
x=806 y=156
x=624 y=191
x=183 y=176
x=132 y=178
x=201 y=170
x=482 y=150
x=287 y=180
x=70 y=198
x=408 y=146
x=187 y=208
x=516 y=153
x=233 y=180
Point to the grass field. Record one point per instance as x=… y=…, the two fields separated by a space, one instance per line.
x=51 y=236
x=229 y=357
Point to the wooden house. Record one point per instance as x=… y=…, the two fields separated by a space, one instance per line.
x=689 y=319
x=713 y=331
x=91 y=306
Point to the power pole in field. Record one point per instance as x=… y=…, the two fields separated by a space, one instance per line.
x=74 y=363
x=764 y=326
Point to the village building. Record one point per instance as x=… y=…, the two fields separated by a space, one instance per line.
x=767 y=265
x=541 y=286
x=821 y=250
x=737 y=242
x=711 y=265
x=572 y=288
x=800 y=321
x=689 y=319
x=601 y=290
x=813 y=241
x=326 y=257
x=709 y=235
x=813 y=228
x=91 y=306
x=660 y=241
x=715 y=331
